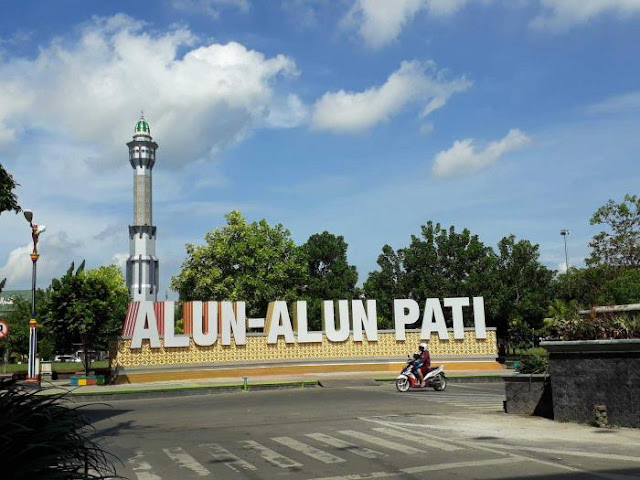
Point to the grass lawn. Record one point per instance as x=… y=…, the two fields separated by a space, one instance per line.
x=61 y=367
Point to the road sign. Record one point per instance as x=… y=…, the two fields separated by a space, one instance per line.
x=4 y=329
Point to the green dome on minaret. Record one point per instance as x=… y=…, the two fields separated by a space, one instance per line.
x=142 y=127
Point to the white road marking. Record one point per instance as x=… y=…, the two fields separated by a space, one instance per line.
x=184 y=460
x=425 y=468
x=350 y=447
x=221 y=454
x=418 y=437
x=270 y=456
x=308 y=450
x=575 y=453
x=499 y=450
x=381 y=442
x=473 y=463
x=142 y=468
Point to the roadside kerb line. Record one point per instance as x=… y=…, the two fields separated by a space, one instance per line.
x=350 y=447
x=308 y=450
x=221 y=454
x=269 y=455
x=424 y=468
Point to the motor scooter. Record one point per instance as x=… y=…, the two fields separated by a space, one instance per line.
x=434 y=378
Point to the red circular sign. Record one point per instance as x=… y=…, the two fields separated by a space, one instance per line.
x=4 y=329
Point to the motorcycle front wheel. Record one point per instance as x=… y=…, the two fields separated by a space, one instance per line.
x=402 y=384
x=439 y=383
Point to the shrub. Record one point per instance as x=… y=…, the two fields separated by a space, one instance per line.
x=42 y=437
x=533 y=364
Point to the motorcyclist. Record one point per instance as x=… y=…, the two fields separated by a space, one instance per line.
x=422 y=362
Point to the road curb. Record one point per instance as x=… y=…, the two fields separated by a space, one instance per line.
x=187 y=391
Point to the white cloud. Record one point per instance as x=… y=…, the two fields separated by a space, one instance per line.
x=91 y=89
x=463 y=158
x=17 y=269
x=358 y=111
x=209 y=7
x=561 y=15
x=380 y=22
x=625 y=102
x=288 y=112
x=427 y=128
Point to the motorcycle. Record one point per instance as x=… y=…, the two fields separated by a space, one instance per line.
x=434 y=378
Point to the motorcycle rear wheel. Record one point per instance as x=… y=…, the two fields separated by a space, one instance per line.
x=402 y=384
x=439 y=383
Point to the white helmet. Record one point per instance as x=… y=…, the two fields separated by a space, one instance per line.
x=422 y=346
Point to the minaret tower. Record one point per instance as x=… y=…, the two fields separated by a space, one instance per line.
x=142 y=265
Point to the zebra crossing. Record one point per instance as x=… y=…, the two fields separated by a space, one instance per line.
x=304 y=452
x=480 y=402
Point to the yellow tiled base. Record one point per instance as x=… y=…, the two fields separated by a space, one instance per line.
x=237 y=372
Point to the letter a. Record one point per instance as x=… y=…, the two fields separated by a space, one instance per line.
x=146 y=327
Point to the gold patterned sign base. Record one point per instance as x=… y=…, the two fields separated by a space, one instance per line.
x=258 y=351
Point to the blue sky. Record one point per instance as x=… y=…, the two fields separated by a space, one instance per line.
x=366 y=118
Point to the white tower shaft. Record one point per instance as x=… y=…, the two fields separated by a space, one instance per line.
x=142 y=265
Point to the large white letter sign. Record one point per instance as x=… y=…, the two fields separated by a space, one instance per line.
x=405 y=312
x=301 y=324
x=146 y=326
x=433 y=320
x=210 y=317
x=170 y=337
x=456 y=305
x=364 y=318
x=234 y=318
x=279 y=323
x=329 y=323
x=478 y=318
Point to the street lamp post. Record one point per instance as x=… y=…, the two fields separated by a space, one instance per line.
x=564 y=233
x=33 y=374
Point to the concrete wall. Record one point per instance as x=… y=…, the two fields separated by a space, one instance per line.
x=529 y=395
x=600 y=372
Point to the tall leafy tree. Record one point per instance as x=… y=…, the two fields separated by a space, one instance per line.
x=445 y=263
x=254 y=262
x=523 y=284
x=438 y=263
x=386 y=284
x=18 y=320
x=619 y=245
x=586 y=286
x=330 y=276
x=8 y=199
x=87 y=308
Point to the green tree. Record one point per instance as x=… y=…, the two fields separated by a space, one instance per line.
x=87 y=308
x=8 y=199
x=620 y=245
x=523 y=285
x=583 y=285
x=330 y=276
x=521 y=334
x=386 y=284
x=254 y=262
x=438 y=263
x=444 y=263
x=18 y=320
x=623 y=289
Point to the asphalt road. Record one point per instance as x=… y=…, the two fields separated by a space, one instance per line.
x=351 y=432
